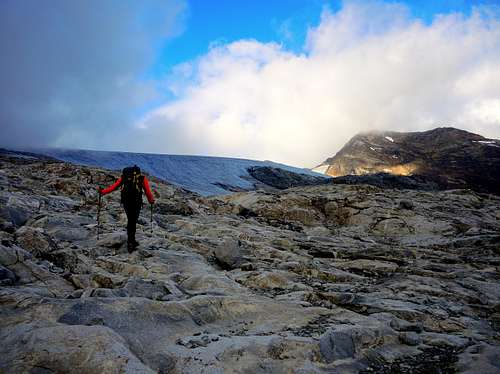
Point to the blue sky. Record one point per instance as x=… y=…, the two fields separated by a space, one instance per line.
x=283 y=21
x=208 y=22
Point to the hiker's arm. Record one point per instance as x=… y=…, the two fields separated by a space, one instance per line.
x=111 y=188
x=147 y=190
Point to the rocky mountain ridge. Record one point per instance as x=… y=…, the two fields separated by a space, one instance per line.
x=317 y=279
x=447 y=156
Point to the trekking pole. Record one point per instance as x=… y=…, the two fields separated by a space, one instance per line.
x=151 y=205
x=99 y=216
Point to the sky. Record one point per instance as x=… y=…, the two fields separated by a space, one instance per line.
x=288 y=81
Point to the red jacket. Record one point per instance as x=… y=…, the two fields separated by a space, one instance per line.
x=145 y=185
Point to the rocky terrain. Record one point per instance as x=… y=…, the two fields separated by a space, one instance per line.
x=317 y=279
x=447 y=157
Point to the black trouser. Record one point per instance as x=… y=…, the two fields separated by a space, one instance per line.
x=132 y=210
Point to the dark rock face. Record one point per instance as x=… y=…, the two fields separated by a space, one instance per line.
x=386 y=180
x=282 y=179
x=446 y=157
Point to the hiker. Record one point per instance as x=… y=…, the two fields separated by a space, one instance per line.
x=132 y=183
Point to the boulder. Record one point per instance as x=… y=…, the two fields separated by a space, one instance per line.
x=113 y=240
x=410 y=338
x=402 y=325
x=147 y=288
x=70 y=234
x=268 y=280
x=103 y=279
x=479 y=358
x=174 y=207
x=445 y=340
x=15 y=215
x=229 y=254
x=35 y=241
x=210 y=283
x=13 y=255
x=406 y=205
x=337 y=345
x=348 y=341
x=71 y=260
x=64 y=349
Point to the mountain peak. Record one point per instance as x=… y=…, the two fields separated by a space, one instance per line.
x=452 y=157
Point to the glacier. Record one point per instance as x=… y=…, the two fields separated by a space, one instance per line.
x=204 y=175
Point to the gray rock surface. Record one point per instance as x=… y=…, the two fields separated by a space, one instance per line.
x=316 y=279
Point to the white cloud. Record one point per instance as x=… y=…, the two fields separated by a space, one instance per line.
x=365 y=67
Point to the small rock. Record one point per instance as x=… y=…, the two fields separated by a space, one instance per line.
x=176 y=207
x=290 y=265
x=410 y=338
x=13 y=255
x=7 y=226
x=247 y=266
x=7 y=277
x=402 y=325
x=15 y=215
x=445 y=340
x=143 y=253
x=392 y=353
x=153 y=290
x=76 y=295
x=81 y=281
x=106 y=292
x=114 y=240
x=71 y=260
x=406 y=204
x=105 y=280
x=268 y=280
x=70 y=234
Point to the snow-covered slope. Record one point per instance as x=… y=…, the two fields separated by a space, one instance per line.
x=200 y=174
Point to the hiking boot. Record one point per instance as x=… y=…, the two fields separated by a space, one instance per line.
x=130 y=247
x=136 y=243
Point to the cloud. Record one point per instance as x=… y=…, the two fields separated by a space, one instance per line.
x=70 y=71
x=369 y=66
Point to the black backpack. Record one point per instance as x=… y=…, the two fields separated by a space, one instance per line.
x=131 y=185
